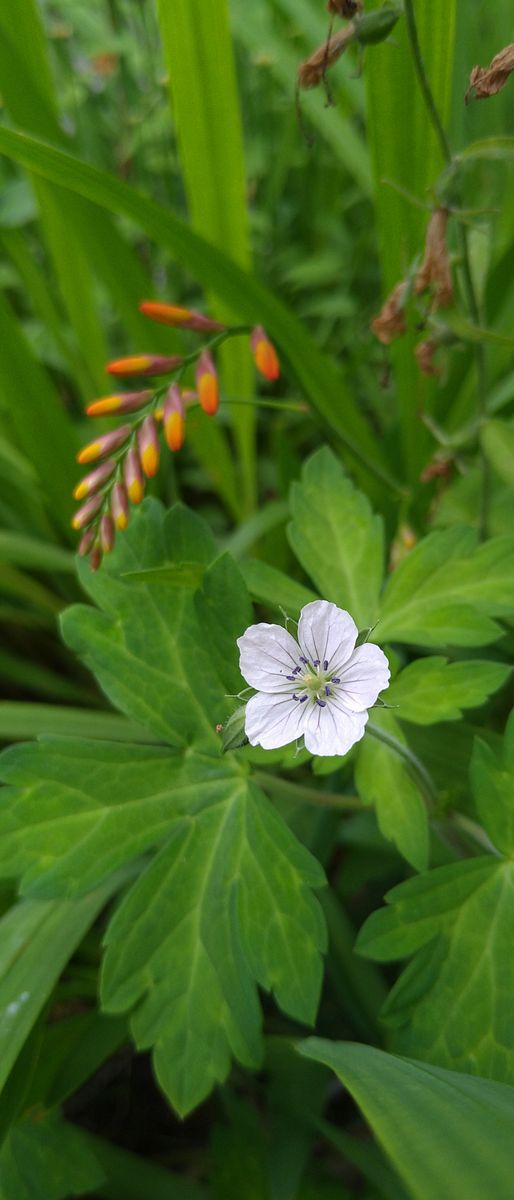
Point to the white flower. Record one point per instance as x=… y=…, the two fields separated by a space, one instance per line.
x=320 y=686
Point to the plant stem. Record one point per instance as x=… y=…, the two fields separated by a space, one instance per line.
x=287 y=790
x=469 y=287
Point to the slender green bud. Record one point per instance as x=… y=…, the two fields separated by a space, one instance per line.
x=376 y=26
x=233 y=732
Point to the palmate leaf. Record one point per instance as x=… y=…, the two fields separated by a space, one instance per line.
x=225 y=905
x=146 y=646
x=383 y=779
x=448 y=589
x=432 y=689
x=453 y=1003
x=337 y=538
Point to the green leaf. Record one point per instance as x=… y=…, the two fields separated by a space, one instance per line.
x=224 y=906
x=383 y=779
x=36 y=940
x=198 y=46
x=147 y=647
x=22 y=551
x=492 y=779
x=273 y=587
x=75 y=811
x=337 y=538
x=232 y=882
x=453 y=1003
x=20 y=721
x=432 y=689
x=447 y=589
x=44 y=1158
x=497 y=439
x=447 y=1134
x=225 y=611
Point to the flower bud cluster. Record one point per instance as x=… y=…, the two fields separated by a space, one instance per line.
x=128 y=455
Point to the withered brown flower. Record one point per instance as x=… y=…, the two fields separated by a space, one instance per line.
x=434 y=271
x=425 y=357
x=487 y=81
x=390 y=322
x=312 y=71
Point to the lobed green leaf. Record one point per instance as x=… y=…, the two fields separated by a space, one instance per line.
x=432 y=689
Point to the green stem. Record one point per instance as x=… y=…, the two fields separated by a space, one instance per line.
x=287 y=790
x=469 y=287
x=423 y=777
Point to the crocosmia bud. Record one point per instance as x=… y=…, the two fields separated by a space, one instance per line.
x=119 y=506
x=148 y=444
x=92 y=482
x=265 y=355
x=85 y=515
x=173 y=415
x=144 y=364
x=104 y=445
x=183 y=318
x=107 y=533
x=133 y=476
x=124 y=402
x=207 y=384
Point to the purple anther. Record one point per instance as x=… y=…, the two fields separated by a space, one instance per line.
x=316 y=662
x=335 y=679
x=297 y=670
x=322 y=703
x=303 y=699
x=327 y=690
x=304 y=660
x=325 y=665
x=291 y=678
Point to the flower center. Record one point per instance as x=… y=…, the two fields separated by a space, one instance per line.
x=314 y=682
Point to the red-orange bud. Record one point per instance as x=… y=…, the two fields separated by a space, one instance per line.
x=148 y=444
x=124 y=402
x=175 y=315
x=86 y=541
x=87 y=512
x=174 y=424
x=264 y=353
x=94 y=480
x=144 y=364
x=104 y=445
x=207 y=384
x=119 y=506
x=95 y=558
x=133 y=476
x=107 y=533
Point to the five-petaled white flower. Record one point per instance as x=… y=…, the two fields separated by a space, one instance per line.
x=319 y=687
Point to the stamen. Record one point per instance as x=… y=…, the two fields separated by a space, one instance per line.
x=303 y=699
x=325 y=665
x=291 y=678
x=316 y=662
x=304 y=660
x=296 y=670
x=327 y=690
x=322 y=703
x=335 y=679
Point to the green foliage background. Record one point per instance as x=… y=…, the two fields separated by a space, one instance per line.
x=160 y=896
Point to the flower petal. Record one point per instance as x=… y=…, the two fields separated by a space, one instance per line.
x=363 y=678
x=268 y=654
x=326 y=633
x=332 y=730
x=271 y=722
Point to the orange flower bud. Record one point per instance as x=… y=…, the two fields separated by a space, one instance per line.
x=148 y=444
x=174 y=424
x=86 y=541
x=86 y=514
x=126 y=402
x=133 y=476
x=184 y=318
x=207 y=384
x=264 y=353
x=104 y=445
x=107 y=533
x=94 y=480
x=144 y=364
x=119 y=506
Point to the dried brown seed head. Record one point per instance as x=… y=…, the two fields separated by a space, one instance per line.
x=425 y=357
x=434 y=271
x=390 y=322
x=312 y=71
x=487 y=81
